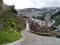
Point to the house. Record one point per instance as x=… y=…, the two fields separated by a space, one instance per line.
x=58 y=27
x=58 y=31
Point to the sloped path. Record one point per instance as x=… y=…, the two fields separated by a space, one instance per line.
x=32 y=39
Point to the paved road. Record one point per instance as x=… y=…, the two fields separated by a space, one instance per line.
x=32 y=39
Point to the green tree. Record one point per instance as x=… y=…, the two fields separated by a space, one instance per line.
x=56 y=17
x=13 y=9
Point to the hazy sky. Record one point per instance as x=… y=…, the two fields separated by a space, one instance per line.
x=20 y=4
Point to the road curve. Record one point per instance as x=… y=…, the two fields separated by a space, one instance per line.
x=32 y=39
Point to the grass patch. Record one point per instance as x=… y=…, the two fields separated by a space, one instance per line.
x=8 y=36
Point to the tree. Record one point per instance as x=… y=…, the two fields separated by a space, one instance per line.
x=56 y=17
x=40 y=17
x=13 y=9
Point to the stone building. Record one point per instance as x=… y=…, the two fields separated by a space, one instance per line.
x=1 y=10
x=1 y=4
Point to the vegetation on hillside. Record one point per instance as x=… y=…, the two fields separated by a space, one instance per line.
x=9 y=36
x=10 y=27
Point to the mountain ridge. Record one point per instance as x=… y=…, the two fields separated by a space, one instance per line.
x=37 y=11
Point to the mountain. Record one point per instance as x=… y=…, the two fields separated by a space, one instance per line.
x=38 y=12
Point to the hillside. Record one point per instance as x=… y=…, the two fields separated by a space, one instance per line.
x=50 y=15
x=10 y=25
x=37 y=12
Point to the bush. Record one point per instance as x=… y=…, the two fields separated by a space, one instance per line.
x=8 y=36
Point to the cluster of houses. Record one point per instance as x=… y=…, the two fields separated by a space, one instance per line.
x=46 y=23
